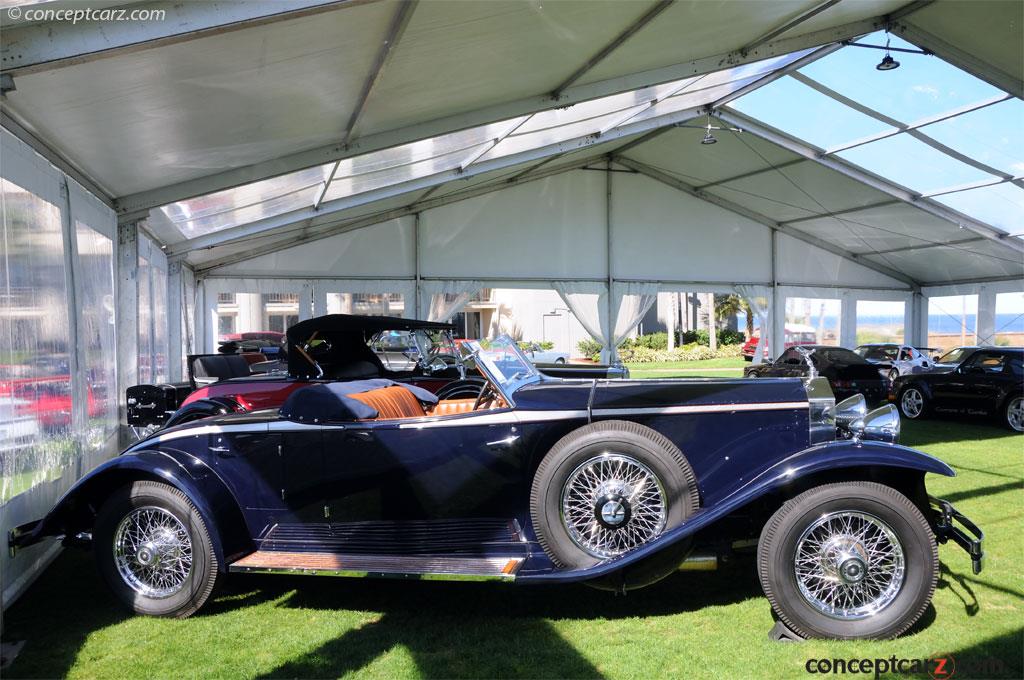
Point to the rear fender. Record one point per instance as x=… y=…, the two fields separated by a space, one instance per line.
x=76 y=510
x=836 y=456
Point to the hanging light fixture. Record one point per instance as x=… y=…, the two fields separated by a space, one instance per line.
x=708 y=137
x=887 y=63
x=707 y=128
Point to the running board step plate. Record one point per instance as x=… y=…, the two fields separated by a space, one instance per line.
x=501 y=568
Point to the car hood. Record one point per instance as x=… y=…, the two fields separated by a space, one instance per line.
x=633 y=394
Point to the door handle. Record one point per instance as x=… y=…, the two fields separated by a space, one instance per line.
x=503 y=443
x=222 y=451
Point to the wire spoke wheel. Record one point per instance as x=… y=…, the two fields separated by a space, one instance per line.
x=612 y=504
x=849 y=565
x=153 y=552
x=912 y=403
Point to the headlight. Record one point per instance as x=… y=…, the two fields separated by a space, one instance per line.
x=882 y=424
x=848 y=411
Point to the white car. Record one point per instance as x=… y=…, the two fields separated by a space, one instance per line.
x=894 y=360
x=537 y=355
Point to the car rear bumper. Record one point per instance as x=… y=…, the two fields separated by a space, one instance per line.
x=946 y=519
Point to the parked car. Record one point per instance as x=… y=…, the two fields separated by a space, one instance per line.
x=846 y=372
x=331 y=347
x=894 y=360
x=796 y=334
x=953 y=358
x=535 y=353
x=989 y=382
x=535 y=480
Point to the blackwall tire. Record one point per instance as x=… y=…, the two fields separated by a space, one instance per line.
x=848 y=561
x=912 y=403
x=657 y=469
x=149 y=523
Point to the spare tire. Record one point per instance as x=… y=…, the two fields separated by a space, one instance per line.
x=607 y=488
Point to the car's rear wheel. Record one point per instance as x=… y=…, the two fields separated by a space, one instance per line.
x=1013 y=414
x=154 y=550
x=847 y=561
x=608 y=488
x=912 y=402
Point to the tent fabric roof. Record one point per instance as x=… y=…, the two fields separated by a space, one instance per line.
x=337 y=115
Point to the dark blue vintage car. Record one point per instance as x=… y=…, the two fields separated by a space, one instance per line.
x=533 y=480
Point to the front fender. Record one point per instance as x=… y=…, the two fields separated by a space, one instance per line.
x=76 y=510
x=829 y=456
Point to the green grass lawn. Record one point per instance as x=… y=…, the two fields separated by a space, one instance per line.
x=694 y=625
x=706 y=368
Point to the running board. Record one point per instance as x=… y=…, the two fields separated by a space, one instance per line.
x=423 y=567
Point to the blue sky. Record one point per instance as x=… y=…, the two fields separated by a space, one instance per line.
x=922 y=88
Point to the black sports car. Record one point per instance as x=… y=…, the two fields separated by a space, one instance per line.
x=847 y=372
x=989 y=382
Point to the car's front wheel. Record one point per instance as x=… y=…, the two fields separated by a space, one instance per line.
x=912 y=402
x=848 y=561
x=1013 y=414
x=154 y=550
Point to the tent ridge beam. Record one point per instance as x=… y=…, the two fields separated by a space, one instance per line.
x=330 y=153
x=879 y=184
x=398 y=25
x=809 y=58
x=726 y=204
x=35 y=48
x=644 y=19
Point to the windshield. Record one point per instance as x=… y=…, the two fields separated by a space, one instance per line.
x=955 y=356
x=402 y=350
x=878 y=352
x=503 y=362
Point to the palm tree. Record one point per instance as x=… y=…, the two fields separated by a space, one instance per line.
x=731 y=305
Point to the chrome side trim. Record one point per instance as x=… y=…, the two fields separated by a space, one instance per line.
x=347 y=573
x=703 y=408
x=504 y=417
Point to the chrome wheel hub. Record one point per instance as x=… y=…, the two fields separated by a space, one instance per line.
x=849 y=565
x=1015 y=414
x=912 y=403
x=613 y=503
x=153 y=552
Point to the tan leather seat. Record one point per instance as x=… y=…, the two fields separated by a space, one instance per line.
x=392 y=402
x=451 y=407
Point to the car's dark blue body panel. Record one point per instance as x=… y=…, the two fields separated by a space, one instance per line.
x=246 y=473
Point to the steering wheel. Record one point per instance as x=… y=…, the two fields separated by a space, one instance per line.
x=484 y=389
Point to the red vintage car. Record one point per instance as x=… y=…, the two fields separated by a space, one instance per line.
x=47 y=400
x=796 y=334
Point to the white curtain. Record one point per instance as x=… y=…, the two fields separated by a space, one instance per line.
x=588 y=302
x=447 y=298
x=759 y=300
x=631 y=302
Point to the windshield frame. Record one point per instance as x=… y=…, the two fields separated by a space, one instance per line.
x=485 y=361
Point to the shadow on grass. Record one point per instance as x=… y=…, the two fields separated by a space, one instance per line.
x=998 y=657
x=958 y=496
x=950 y=429
x=448 y=629
x=57 y=614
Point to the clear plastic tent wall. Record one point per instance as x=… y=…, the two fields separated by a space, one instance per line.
x=58 y=388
